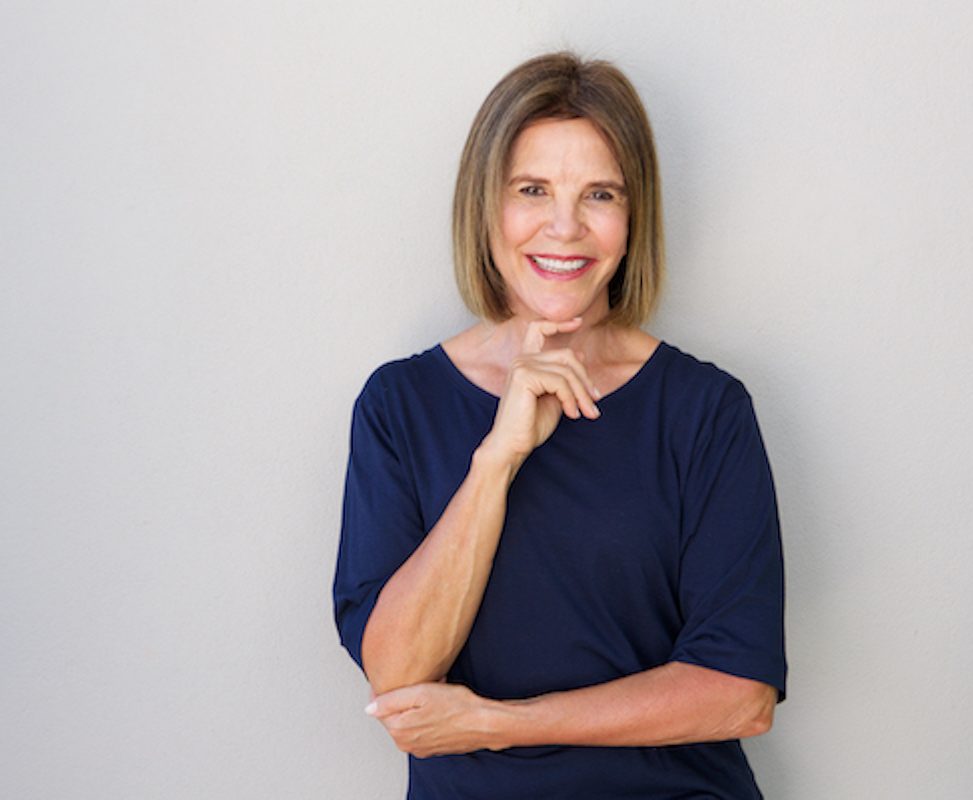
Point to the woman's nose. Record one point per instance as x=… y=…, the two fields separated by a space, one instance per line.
x=565 y=222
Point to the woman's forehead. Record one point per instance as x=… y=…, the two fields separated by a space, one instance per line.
x=563 y=148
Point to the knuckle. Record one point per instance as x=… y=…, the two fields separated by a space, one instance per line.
x=519 y=366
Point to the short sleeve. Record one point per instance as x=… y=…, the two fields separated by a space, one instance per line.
x=731 y=581
x=381 y=524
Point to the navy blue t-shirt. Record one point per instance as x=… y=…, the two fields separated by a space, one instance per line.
x=646 y=536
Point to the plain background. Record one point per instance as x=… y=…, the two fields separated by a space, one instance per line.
x=217 y=218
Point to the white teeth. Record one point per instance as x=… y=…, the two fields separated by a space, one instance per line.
x=559 y=265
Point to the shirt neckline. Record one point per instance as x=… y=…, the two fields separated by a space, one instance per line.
x=475 y=390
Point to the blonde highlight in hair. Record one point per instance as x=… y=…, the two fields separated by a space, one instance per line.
x=559 y=86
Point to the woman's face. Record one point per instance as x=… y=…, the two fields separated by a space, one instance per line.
x=563 y=222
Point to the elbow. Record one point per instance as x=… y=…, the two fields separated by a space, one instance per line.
x=381 y=682
x=378 y=682
x=382 y=675
x=388 y=673
x=757 y=726
x=383 y=670
x=388 y=664
x=759 y=718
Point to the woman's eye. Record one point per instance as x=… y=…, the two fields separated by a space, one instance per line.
x=531 y=191
x=601 y=194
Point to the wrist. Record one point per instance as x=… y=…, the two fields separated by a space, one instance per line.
x=512 y=723
x=504 y=726
x=489 y=456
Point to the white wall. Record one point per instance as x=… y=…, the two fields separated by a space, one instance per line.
x=196 y=198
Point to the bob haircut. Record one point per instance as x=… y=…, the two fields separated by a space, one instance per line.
x=559 y=86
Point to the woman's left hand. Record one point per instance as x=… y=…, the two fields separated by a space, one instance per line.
x=430 y=719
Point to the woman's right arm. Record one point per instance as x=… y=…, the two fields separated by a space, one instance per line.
x=424 y=612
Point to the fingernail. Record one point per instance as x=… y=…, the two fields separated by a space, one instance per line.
x=595 y=392
x=597 y=410
x=371 y=708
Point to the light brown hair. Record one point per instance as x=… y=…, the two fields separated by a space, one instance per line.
x=559 y=86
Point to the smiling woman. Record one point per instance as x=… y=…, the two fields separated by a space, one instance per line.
x=560 y=549
x=560 y=87
x=560 y=221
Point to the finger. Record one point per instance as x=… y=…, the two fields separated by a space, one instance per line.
x=394 y=702
x=541 y=378
x=550 y=380
x=582 y=397
x=539 y=329
x=572 y=359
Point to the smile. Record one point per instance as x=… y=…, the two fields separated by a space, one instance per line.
x=558 y=267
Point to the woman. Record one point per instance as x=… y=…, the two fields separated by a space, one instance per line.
x=560 y=550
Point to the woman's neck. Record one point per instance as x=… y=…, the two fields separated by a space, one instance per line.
x=500 y=342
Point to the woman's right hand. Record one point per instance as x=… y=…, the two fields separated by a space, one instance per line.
x=540 y=387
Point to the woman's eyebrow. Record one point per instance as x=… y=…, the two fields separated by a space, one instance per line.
x=527 y=179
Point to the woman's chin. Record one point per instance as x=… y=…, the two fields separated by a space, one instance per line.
x=557 y=312
x=560 y=309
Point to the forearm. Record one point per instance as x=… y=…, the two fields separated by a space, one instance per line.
x=673 y=704
x=425 y=611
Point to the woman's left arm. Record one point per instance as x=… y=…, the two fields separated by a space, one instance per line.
x=676 y=703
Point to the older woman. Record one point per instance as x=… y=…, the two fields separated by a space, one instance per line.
x=560 y=552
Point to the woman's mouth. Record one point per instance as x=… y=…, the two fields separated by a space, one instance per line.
x=560 y=267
